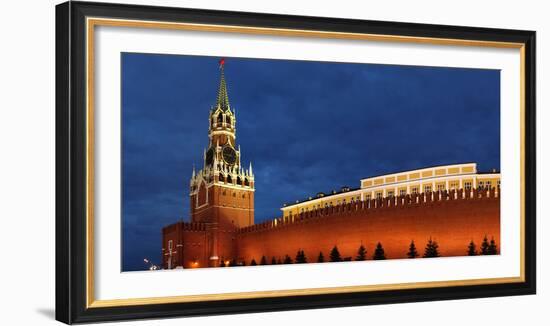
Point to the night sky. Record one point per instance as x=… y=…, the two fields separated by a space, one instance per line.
x=305 y=126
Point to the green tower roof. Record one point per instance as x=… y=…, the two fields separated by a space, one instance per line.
x=223 y=99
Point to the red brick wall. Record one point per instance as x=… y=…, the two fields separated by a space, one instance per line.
x=190 y=245
x=195 y=243
x=451 y=222
x=228 y=207
x=235 y=207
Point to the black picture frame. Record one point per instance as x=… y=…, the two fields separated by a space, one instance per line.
x=71 y=156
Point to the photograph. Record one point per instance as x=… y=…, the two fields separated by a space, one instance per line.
x=230 y=161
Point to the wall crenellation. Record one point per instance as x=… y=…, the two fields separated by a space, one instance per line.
x=359 y=207
x=186 y=226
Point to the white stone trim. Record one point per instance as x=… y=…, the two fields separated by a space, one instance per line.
x=231 y=186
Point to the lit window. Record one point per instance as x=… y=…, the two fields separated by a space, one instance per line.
x=368 y=197
x=453 y=185
x=468 y=185
x=488 y=185
x=498 y=183
x=414 y=190
x=378 y=195
x=402 y=192
x=170 y=245
x=440 y=187
x=427 y=188
x=390 y=193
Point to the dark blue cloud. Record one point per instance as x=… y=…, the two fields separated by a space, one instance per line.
x=305 y=126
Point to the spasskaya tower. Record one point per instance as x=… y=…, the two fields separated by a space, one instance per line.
x=222 y=192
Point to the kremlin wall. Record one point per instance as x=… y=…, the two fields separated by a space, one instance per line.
x=452 y=219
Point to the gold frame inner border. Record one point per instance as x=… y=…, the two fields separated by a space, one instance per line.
x=92 y=22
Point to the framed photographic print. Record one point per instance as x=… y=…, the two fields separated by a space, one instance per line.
x=214 y=162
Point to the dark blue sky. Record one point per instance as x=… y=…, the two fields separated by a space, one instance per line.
x=305 y=126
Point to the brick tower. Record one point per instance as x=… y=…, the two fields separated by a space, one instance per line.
x=222 y=192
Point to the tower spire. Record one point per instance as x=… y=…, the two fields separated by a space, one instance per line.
x=223 y=99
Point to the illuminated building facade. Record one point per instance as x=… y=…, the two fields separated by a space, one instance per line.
x=438 y=178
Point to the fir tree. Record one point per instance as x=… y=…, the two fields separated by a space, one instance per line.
x=361 y=253
x=485 y=246
x=412 y=253
x=379 y=252
x=273 y=261
x=301 y=257
x=431 y=250
x=472 y=251
x=492 y=249
x=287 y=260
x=321 y=258
x=263 y=261
x=335 y=255
x=253 y=262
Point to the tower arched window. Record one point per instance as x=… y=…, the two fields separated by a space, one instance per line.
x=220 y=177
x=228 y=120
x=229 y=180
x=246 y=183
x=238 y=180
x=220 y=118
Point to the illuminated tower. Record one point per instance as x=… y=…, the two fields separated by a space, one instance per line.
x=222 y=192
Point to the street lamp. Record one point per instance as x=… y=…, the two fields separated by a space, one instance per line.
x=152 y=266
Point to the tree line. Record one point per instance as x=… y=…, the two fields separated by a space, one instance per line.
x=431 y=250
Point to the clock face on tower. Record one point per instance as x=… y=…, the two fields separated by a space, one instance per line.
x=229 y=155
